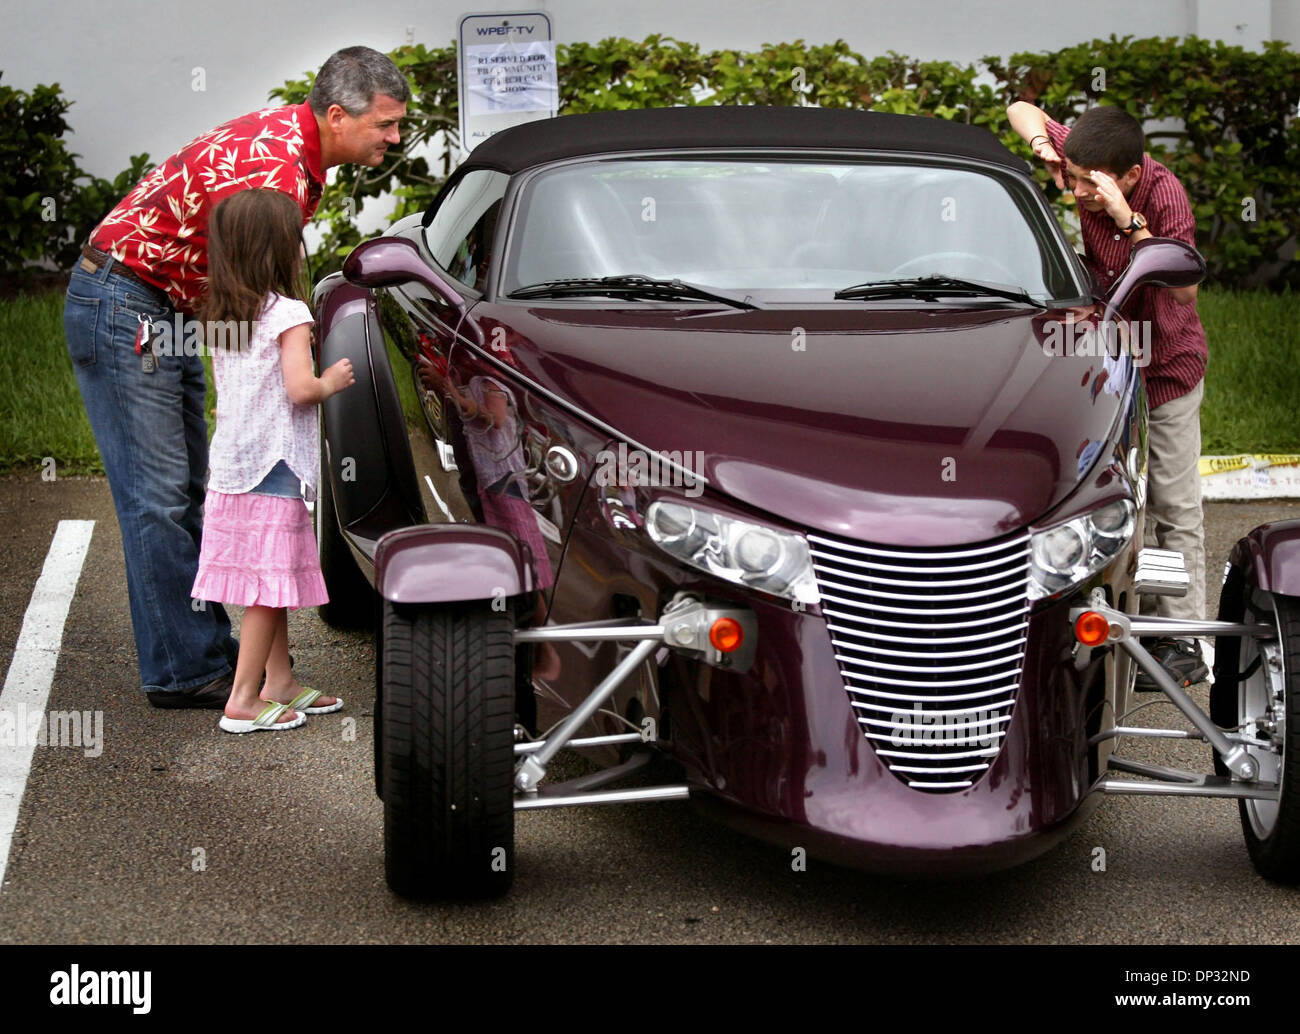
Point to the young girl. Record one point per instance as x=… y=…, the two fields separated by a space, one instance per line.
x=258 y=549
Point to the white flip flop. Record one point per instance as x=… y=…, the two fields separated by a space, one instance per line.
x=303 y=701
x=264 y=722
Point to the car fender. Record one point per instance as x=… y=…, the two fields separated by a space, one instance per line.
x=1271 y=554
x=446 y=563
x=1268 y=558
x=368 y=459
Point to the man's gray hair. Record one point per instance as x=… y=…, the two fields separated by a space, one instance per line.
x=351 y=78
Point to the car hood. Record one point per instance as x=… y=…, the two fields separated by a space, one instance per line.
x=931 y=425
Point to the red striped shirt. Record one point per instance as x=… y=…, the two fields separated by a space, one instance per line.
x=1178 y=349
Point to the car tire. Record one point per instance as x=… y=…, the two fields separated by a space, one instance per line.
x=447 y=722
x=1271 y=830
x=352 y=600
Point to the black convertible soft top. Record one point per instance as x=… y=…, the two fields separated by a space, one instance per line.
x=715 y=126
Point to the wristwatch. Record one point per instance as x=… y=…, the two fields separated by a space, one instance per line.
x=1139 y=223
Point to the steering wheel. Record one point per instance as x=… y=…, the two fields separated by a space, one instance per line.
x=933 y=262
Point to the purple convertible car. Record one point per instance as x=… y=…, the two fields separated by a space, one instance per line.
x=794 y=450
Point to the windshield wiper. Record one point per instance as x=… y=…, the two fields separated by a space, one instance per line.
x=929 y=286
x=626 y=284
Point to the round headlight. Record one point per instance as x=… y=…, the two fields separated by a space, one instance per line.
x=1071 y=553
x=739 y=551
x=670 y=522
x=1114 y=520
x=681 y=529
x=1061 y=549
x=757 y=552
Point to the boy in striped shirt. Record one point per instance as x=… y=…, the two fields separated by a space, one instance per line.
x=1124 y=196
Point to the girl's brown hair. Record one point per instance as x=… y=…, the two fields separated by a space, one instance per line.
x=254 y=238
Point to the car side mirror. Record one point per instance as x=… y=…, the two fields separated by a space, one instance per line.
x=1160 y=262
x=390 y=261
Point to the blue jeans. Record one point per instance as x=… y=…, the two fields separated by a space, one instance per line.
x=281 y=481
x=152 y=436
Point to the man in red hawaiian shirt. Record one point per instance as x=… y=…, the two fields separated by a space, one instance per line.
x=1125 y=196
x=148 y=261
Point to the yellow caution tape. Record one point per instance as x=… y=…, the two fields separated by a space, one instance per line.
x=1221 y=464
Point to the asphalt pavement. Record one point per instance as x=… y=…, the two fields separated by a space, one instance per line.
x=177 y=833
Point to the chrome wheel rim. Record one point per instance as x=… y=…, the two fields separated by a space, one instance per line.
x=1261 y=713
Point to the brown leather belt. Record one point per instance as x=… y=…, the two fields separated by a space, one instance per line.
x=98 y=259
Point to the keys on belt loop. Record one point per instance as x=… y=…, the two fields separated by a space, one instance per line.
x=144 y=343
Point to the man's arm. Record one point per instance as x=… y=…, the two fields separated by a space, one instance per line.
x=1027 y=119
x=1030 y=122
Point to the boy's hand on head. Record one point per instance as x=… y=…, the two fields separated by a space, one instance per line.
x=1109 y=194
x=338 y=376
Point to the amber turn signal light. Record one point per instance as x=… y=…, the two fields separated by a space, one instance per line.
x=1091 y=628
x=726 y=634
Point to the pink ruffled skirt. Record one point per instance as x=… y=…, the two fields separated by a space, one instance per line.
x=258 y=550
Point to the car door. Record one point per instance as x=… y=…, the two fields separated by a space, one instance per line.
x=421 y=328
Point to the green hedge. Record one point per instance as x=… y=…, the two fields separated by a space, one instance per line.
x=1238 y=151
x=49 y=204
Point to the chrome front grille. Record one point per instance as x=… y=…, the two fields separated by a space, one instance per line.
x=930 y=644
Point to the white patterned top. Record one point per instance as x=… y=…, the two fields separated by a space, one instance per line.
x=257 y=423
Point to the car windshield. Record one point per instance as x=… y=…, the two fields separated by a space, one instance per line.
x=782 y=226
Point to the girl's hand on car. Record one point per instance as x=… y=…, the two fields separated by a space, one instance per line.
x=339 y=376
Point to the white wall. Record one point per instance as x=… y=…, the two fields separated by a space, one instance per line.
x=129 y=65
x=1242 y=23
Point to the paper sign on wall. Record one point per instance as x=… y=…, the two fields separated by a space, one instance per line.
x=507 y=73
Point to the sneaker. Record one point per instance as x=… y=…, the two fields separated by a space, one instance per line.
x=1182 y=660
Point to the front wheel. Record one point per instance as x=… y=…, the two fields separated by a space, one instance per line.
x=1267 y=708
x=448 y=715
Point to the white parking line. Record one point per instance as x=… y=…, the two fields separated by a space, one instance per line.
x=31 y=673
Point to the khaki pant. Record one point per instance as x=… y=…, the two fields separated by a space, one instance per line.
x=1174 y=517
